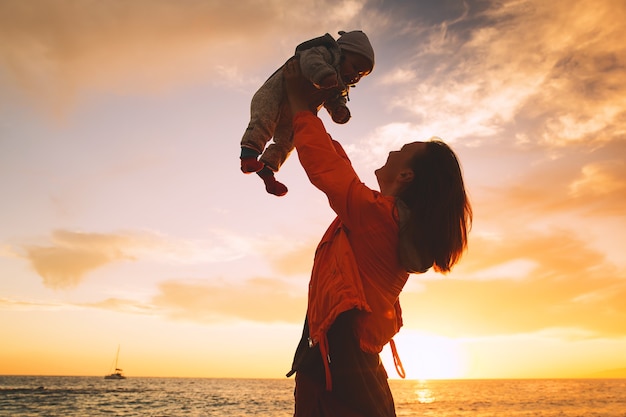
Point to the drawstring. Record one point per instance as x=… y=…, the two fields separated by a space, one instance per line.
x=326 y=360
x=396 y=360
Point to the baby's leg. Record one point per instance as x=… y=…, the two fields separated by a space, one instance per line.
x=276 y=153
x=264 y=114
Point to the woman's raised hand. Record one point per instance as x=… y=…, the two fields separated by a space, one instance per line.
x=300 y=91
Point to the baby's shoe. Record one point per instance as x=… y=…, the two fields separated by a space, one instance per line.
x=271 y=185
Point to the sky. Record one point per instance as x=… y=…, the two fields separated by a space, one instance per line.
x=125 y=220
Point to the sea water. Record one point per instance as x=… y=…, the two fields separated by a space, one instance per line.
x=25 y=396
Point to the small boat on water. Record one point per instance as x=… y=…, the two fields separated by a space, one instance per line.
x=117 y=374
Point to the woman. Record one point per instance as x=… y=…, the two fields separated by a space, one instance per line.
x=419 y=219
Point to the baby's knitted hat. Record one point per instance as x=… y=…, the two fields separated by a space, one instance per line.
x=356 y=41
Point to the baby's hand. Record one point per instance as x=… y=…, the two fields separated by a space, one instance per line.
x=329 y=81
x=341 y=115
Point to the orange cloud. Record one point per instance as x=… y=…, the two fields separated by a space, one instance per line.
x=73 y=255
x=30 y=305
x=65 y=267
x=70 y=256
x=56 y=50
x=580 y=182
x=121 y=305
x=297 y=260
x=599 y=179
x=258 y=299
x=570 y=286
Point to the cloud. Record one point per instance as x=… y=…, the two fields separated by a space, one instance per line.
x=70 y=256
x=58 y=50
x=258 y=299
x=600 y=178
x=588 y=183
x=552 y=72
x=118 y=305
x=13 y=304
x=291 y=260
x=63 y=267
x=566 y=284
x=375 y=147
x=122 y=306
x=6 y=251
x=398 y=76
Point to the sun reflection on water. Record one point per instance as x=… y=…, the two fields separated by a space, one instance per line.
x=424 y=394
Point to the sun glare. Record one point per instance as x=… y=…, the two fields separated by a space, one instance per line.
x=427 y=356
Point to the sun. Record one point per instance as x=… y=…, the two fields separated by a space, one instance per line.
x=426 y=356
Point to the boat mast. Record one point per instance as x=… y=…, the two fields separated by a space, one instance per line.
x=116 y=357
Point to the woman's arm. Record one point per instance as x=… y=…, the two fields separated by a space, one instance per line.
x=323 y=159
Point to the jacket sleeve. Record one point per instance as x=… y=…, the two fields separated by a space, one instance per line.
x=329 y=169
x=340 y=151
x=316 y=64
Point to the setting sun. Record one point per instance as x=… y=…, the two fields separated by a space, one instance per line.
x=427 y=356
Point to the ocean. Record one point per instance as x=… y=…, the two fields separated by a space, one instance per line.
x=26 y=396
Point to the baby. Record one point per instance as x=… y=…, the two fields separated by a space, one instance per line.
x=332 y=66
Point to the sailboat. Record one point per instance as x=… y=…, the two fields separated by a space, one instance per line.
x=117 y=374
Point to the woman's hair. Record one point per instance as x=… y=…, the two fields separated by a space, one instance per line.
x=441 y=214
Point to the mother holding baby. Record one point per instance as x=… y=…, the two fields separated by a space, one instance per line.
x=417 y=220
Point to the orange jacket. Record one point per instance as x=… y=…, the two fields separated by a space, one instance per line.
x=356 y=263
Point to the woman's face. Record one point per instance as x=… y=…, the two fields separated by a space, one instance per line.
x=397 y=163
